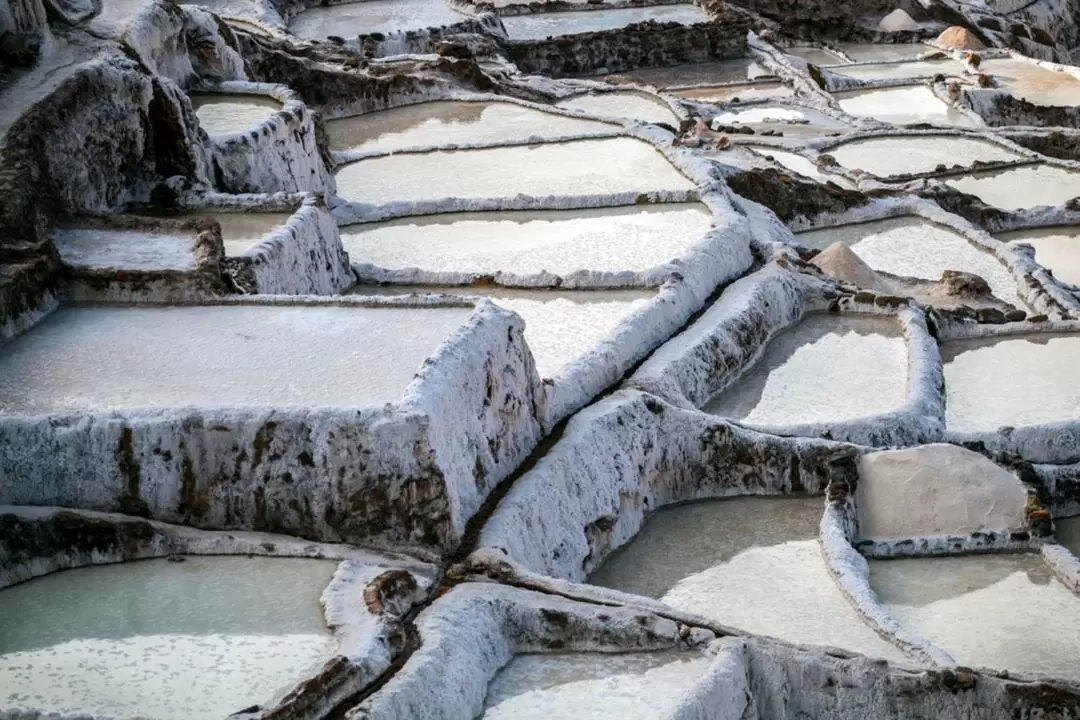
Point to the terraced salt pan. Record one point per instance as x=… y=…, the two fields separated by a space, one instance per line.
x=560 y=325
x=896 y=71
x=817 y=56
x=229 y=114
x=727 y=93
x=1056 y=248
x=240 y=231
x=82 y=358
x=372 y=16
x=884 y=156
x=714 y=71
x=1067 y=531
x=544 y=25
x=753 y=563
x=882 y=52
x=637 y=686
x=1033 y=83
x=792 y=161
x=556 y=241
x=585 y=167
x=1014 y=381
x=914 y=247
x=903 y=106
x=636 y=106
x=1020 y=187
x=791 y=121
x=761 y=114
x=124 y=249
x=827 y=368
x=453 y=123
x=997 y=611
x=203 y=638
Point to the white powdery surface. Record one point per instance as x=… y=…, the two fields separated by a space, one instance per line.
x=903 y=106
x=935 y=489
x=83 y=358
x=1056 y=248
x=373 y=16
x=796 y=163
x=229 y=114
x=638 y=686
x=1003 y=612
x=1013 y=381
x=1021 y=187
x=902 y=155
x=198 y=639
x=913 y=247
x=125 y=249
x=585 y=167
x=543 y=25
x=557 y=241
x=783 y=591
x=444 y=123
x=826 y=368
x=636 y=106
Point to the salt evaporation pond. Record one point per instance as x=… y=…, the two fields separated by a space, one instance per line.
x=903 y=155
x=203 y=638
x=231 y=114
x=817 y=56
x=913 y=247
x=903 y=106
x=883 y=52
x=240 y=231
x=1056 y=248
x=728 y=93
x=373 y=16
x=901 y=70
x=631 y=105
x=1037 y=85
x=553 y=24
x=125 y=249
x=557 y=241
x=798 y=164
x=586 y=167
x=753 y=563
x=82 y=358
x=1067 y=531
x=999 y=611
x=1010 y=381
x=444 y=123
x=790 y=121
x=703 y=73
x=622 y=686
x=827 y=368
x=1017 y=188
x=560 y=325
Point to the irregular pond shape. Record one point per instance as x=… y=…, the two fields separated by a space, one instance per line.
x=560 y=325
x=557 y=241
x=728 y=93
x=797 y=163
x=903 y=106
x=125 y=249
x=373 y=16
x=762 y=114
x=753 y=563
x=241 y=231
x=445 y=122
x=713 y=71
x=826 y=368
x=901 y=70
x=1033 y=83
x=1020 y=187
x=1015 y=381
x=885 y=156
x=230 y=114
x=585 y=167
x=914 y=247
x=553 y=24
x=633 y=105
x=593 y=685
x=1068 y=533
x=82 y=358
x=1056 y=248
x=998 y=611
x=202 y=638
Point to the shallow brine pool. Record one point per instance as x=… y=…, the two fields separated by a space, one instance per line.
x=1056 y=248
x=631 y=105
x=87 y=248
x=1033 y=83
x=542 y=25
x=372 y=16
x=900 y=70
x=826 y=368
x=733 y=93
x=703 y=73
x=753 y=563
x=1020 y=187
x=229 y=114
x=885 y=156
x=903 y=106
x=203 y=638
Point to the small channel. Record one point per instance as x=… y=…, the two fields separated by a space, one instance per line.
x=553 y=24
x=827 y=368
x=202 y=638
x=1056 y=248
x=1020 y=187
x=999 y=611
x=231 y=114
x=753 y=563
x=903 y=106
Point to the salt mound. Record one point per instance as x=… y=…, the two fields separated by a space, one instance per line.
x=840 y=263
x=935 y=489
x=897 y=21
x=959 y=37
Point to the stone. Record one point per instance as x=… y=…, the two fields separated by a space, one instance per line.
x=964 y=284
x=897 y=21
x=839 y=262
x=959 y=38
x=937 y=489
